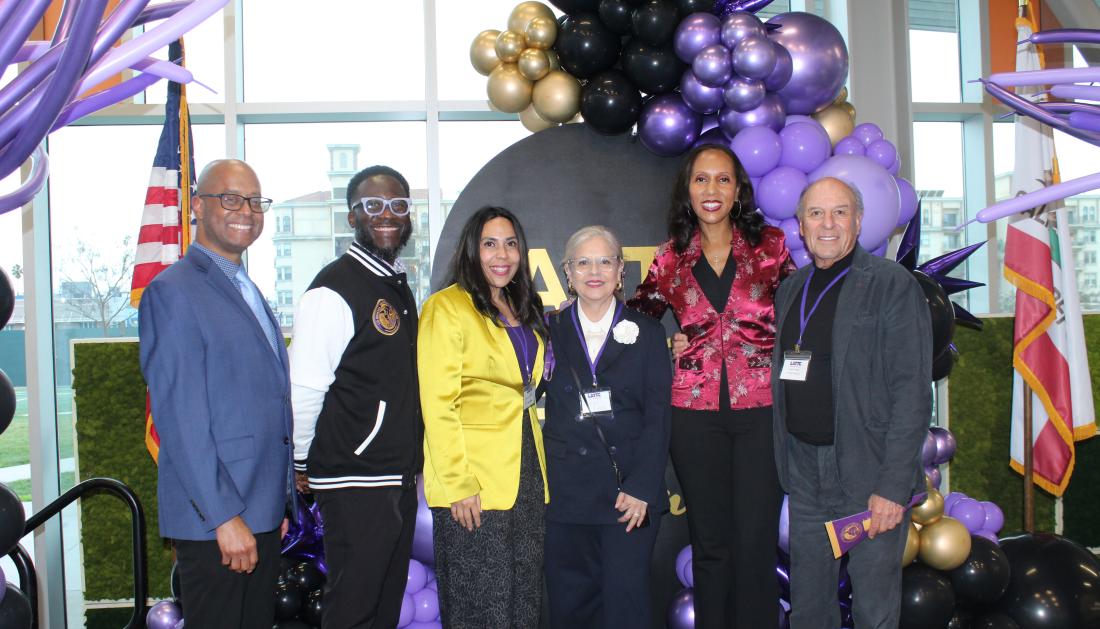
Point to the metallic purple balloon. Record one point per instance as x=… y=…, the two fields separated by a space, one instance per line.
x=743 y=94
x=754 y=57
x=758 y=149
x=713 y=135
x=784 y=68
x=819 y=61
x=740 y=24
x=1065 y=36
x=164 y=615
x=725 y=7
x=849 y=146
x=423 y=548
x=701 y=98
x=928 y=450
x=696 y=32
x=683 y=567
x=933 y=473
x=681 y=610
x=785 y=525
x=945 y=444
x=769 y=113
x=668 y=126
x=713 y=66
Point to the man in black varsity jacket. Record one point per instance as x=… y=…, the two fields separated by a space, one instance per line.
x=357 y=428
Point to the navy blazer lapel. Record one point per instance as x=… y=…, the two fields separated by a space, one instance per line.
x=852 y=293
x=613 y=349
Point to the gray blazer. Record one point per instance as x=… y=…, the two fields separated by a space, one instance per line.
x=882 y=373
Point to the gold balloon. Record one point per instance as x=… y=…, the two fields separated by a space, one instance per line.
x=557 y=97
x=541 y=32
x=912 y=545
x=555 y=63
x=850 y=109
x=525 y=12
x=533 y=121
x=945 y=544
x=509 y=45
x=533 y=63
x=838 y=124
x=508 y=90
x=842 y=96
x=483 y=52
x=929 y=511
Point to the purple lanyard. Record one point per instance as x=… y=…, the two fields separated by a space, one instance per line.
x=584 y=344
x=804 y=317
x=522 y=345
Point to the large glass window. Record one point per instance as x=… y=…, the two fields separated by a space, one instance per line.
x=204 y=48
x=934 y=51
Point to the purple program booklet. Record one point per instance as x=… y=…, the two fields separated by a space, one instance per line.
x=846 y=532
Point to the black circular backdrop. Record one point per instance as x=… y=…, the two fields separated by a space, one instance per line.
x=557 y=181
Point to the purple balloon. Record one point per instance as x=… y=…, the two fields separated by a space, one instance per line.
x=713 y=66
x=969 y=512
x=758 y=148
x=743 y=94
x=710 y=121
x=793 y=118
x=740 y=25
x=701 y=98
x=819 y=61
x=180 y=624
x=805 y=146
x=422 y=546
x=884 y=152
x=432 y=585
x=163 y=615
x=769 y=113
x=431 y=624
x=779 y=190
x=793 y=235
x=684 y=571
x=754 y=57
x=994 y=517
x=849 y=146
x=425 y=605
x=417 y=577
x=668 y=126
x=696 y=32
x=785 y=525
x=933 y=473
x=989 y=535
x=783 y=70
x=908 y=208
x=945 y=444
x=867 y=133
x=408 y=610
x=755 y=181
x=881 y=199
x=950 y=499
x=712 y=136
x=928 y=450
x=681 y=610
x=801 y=258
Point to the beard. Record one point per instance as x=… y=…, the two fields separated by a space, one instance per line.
x=389 y=254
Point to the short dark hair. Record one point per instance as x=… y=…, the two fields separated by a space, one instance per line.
x=373 y=171
x=466 y=271
x=682 y=221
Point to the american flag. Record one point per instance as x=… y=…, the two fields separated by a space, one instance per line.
x=166 y=222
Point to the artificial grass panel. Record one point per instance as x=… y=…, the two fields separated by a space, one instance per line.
x=110 y=401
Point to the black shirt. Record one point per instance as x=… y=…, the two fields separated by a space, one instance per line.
x=716 y=288
x=810 y=412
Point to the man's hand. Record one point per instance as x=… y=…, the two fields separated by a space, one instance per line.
x=301 y=481
x=633 y=510
x=467 y=512
x=283 y=528
x=885 y=515
x=238 y=545
x=679 y=344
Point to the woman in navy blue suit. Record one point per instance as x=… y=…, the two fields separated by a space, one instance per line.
x=608 y=410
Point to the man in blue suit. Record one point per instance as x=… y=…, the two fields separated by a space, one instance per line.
x=216 y=366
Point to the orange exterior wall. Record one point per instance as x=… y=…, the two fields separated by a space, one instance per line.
x=1002 y=35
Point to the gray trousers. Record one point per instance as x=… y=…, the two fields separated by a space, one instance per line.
x=874 y=565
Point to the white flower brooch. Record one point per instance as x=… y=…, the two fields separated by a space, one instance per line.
x=625 y=332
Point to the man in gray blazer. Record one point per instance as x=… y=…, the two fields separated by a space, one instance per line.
x=851 y=377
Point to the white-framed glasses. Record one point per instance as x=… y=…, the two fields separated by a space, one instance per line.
x=374 y=206
x=602 y=264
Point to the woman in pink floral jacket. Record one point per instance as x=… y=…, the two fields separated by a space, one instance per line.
x=718 y=272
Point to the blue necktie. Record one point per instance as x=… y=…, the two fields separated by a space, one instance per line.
x=254 y=300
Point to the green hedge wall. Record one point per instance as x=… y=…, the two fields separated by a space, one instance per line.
x=109 y=396
x=980 y=406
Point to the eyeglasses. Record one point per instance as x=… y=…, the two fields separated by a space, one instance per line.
x=602 y=264
x=374 y=206
x=234 y=202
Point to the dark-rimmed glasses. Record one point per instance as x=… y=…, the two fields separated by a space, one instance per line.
x=374 y=206
x=234 y=202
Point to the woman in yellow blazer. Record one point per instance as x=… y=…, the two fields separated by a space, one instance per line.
x=480 y=357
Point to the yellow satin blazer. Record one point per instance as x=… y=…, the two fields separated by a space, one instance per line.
x=471 y=394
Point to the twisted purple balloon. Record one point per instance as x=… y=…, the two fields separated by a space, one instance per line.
x=722 y=8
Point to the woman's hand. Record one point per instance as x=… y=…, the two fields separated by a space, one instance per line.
x=633 y=510
x=467 y=512
x=679 y=344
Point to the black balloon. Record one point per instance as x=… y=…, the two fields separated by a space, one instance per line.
x=983 y=577
x=1055 y=582
x=655 y=21
x=943 y=363
x=652 y=69
x=174 y=581
x=288 y=600
x=943 y=313
x=576 y=6
x=926 y=598
x=961 y=619
x=311 y=611
x=586 y=47
x=686 y=7
x=7 y=299
x=610 y=103
x=995 y=620
x=306 y=576
x=12 y=520
x=15 y=609
x=615 y=15
x=291 y=623
x=7 y=401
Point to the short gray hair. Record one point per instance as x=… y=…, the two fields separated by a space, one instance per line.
x=586 y=233
x=857 y=198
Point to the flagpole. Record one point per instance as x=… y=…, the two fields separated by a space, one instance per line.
x=1029 y=485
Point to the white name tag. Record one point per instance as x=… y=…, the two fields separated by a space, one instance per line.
x=528 y=397
x=596 y=401
x=795 y=366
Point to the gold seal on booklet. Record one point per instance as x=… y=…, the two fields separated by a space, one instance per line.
x=386 y=319
x=852 y=532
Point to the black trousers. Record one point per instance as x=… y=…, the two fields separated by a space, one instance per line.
x=597 y=575
x=215 y=597
x=726 y=465
x=368 y=540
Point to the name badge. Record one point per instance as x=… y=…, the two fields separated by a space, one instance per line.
x=795 y=366
x=528 y=397
x=595 y=401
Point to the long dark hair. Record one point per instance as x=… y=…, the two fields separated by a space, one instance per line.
x=466 y=271
x=682 y=221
